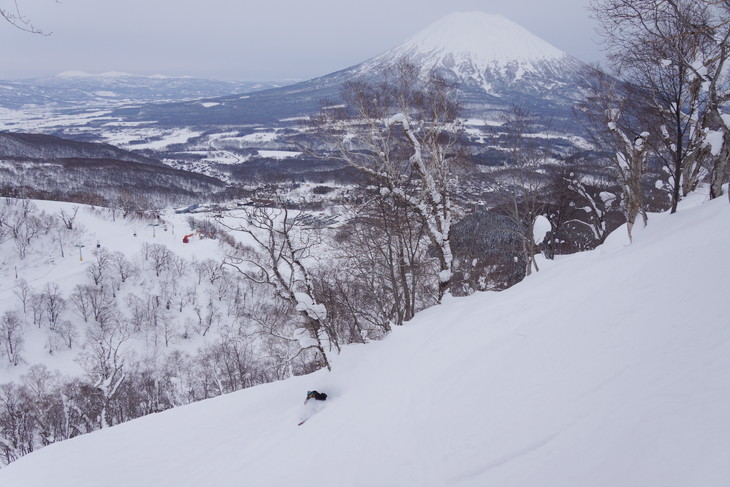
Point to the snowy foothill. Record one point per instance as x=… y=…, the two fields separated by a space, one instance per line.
x=163 y=276
x=606 y=368
x=63 y=257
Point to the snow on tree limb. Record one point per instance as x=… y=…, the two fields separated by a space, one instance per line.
x=402 y=133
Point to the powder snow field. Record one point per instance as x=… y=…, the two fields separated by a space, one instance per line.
x=608 y=368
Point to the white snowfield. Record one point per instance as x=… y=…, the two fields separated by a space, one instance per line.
x=609 y=368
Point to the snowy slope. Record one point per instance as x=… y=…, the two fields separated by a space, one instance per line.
x=44 y=265
x=608 y=368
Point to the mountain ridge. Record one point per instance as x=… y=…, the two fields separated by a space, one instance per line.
x=50 y=167
x=47 y=148
x=78 y=90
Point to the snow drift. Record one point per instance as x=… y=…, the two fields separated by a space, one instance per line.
x=608 y=368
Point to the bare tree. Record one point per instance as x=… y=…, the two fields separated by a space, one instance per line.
x=23 y=292
x=213 y=270
x=4 y=215
x=179 y=265
x=11 y=337
x=520 y=184
x=67 y=331
x=97 y=269
x=170 y=330
x=137 y=312
x=159 y=255
x=403 y=134
x=279 y=261
x=169 y=290
x=185 y=297
x=384 y=271
x=225 y=285
x=233 y=359
x=54 y=303
x=609 y=114
x=16 y=423
x=199 y=269
x=283 y=344
x=103 y=360
x=24 y=226
x=38 y=307
x=44 y=401
x=677 y=50
x=208 y=315
x=68 y=217
x=122 y=265
x=16 y=18
x=147 y=314
x=79 y=299
x=101 y=304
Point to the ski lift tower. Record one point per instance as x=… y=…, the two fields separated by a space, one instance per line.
x=153 y=225
x=81 y=256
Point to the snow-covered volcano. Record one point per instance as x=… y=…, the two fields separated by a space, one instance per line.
x=485 y=38
x=493 y=60
x=476 y=43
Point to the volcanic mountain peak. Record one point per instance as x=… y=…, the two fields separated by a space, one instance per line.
x=486 y=39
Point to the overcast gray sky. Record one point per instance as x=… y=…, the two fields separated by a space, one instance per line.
x=262 y=40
